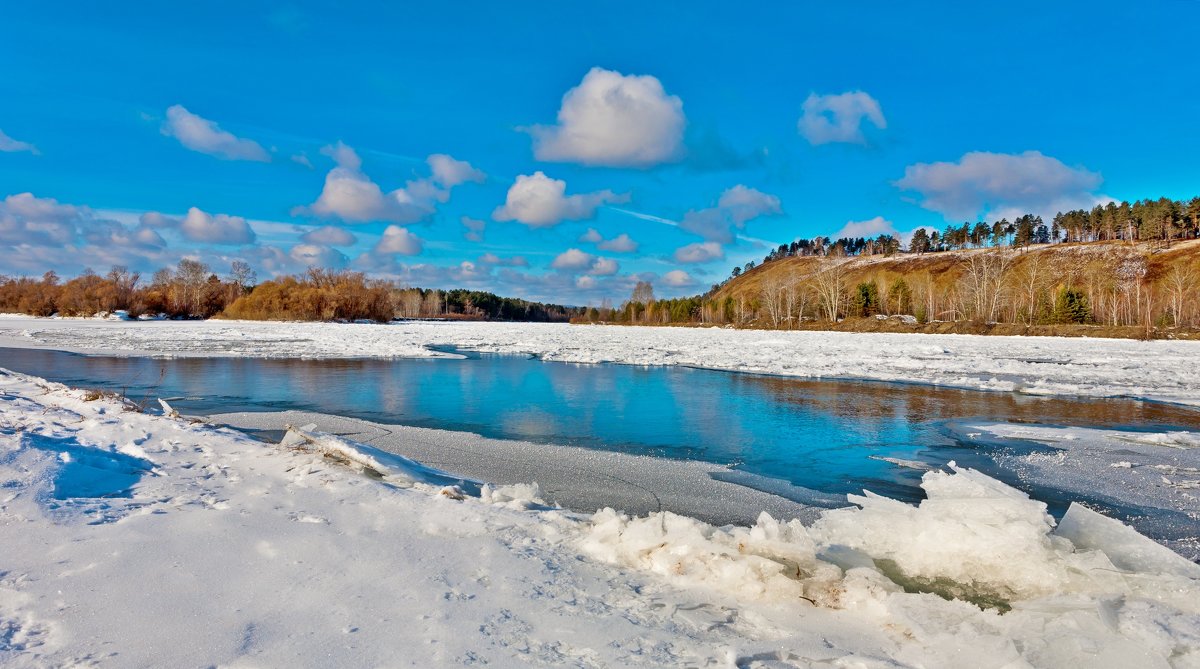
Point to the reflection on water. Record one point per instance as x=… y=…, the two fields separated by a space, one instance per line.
x=817 y=434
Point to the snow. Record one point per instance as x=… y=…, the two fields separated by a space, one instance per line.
x=129 y=539
x=1157 y=370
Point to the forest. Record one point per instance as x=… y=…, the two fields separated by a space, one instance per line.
x=1125 y=265
x=193 y=290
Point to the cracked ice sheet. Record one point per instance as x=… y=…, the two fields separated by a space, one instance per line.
x=1155 y=476
x=1157 y=370
x=229 y=552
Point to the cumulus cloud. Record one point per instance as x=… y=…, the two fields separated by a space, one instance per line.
x=572 y=259
x=302 y=159
x=329 y=235
x=622 y=243
x=398 y=241
x=10 y=145
x=604 y=267
x=872 y=227
x=112 y=233
x=29 y=220
x=205 y=136
x=678 y=278
x=495 y=260
x=995 y=183
x=158 y=221
x=838 y=118
x=699 y=252
x=735 y=207
x=614 y=120
x=474 y=228
x=592 y=236
x=449 y=172
x=540 y=201
x=317 y=255
x=200 y=226
x=350 y=195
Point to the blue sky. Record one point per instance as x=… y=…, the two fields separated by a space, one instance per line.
x=699 y=131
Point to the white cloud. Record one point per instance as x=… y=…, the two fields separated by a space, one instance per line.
x=200 y=134
x=540 y=201
x=735 y=207
x=398 y=240
x=351 y=196
x=104 y=233
x=302 y=159
x=450 y=172
x=699 y=252
x=155 y=220
x=678 y=278
x=317 y=255
x=622 y=243
x=10 y=145
x=495 y=260
x=329 y=235
x=604 y=267
x=592 y=236
x=996 y=183
x=586 y=282
x=614 y=120
x=29 y=220
x=838 y=118
x=869 y=228
x=475 y=228
x=343 y=155
x=877 y=226
x=200 y=226
x=572 y=259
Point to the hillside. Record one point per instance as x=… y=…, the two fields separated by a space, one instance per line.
x=1132 y=287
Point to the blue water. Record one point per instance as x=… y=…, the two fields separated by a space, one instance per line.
x=816 y=434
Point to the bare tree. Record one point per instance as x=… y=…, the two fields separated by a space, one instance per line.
x=1180 y=283
x=1030 y=282
x=983 y=282
x=773 y=299
x=830 y=284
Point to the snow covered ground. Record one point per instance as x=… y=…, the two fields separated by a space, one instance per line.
x=1159 y=370
x=129 y=539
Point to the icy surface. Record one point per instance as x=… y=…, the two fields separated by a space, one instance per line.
x=1155 y=476
x=225 y=551
x=1160 y=370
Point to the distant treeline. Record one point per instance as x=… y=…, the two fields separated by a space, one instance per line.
x=193 y=290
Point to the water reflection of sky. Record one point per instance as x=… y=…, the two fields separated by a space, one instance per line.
x=816 y=434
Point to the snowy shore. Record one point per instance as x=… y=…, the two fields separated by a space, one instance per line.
x=1156 y=370
x=129 y=539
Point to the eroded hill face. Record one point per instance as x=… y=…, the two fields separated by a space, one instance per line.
x=1103 y=283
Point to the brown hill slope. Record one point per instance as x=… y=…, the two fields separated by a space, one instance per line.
x=1102 y=283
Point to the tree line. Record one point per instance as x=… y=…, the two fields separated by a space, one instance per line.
x=1011 y=272
x=192 y=290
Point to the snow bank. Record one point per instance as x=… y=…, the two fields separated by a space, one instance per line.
x=213 y=549
x=976 y=575
x=1160 y=370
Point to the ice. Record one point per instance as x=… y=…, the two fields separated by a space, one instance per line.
x=228 y=551
x=1158 y=370
x=1121 y=544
